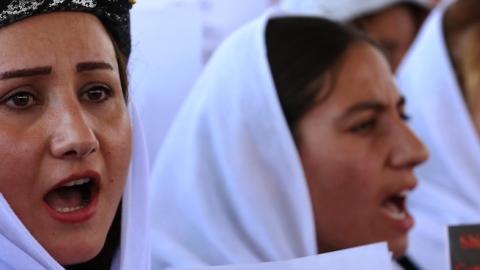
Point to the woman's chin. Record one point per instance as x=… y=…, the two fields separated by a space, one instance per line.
x=398 y=246
x=76 y=253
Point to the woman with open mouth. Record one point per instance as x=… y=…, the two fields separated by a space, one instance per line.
x=73 y=176
x=293 y=143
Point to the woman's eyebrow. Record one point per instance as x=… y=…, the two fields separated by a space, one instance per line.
x=364 y=106
x=89 y=66
x=46 y=70
x=26 y=72
x=375 y=106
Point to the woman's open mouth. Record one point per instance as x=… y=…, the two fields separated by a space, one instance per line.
x=74 y=199
x=395 y=208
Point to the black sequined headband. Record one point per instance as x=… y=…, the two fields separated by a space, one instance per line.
x=113 y=13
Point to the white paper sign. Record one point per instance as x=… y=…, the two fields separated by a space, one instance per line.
x=371 y=257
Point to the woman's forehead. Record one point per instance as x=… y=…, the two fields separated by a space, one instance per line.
x=364 y=72
x=49 y=39
x=114 y=14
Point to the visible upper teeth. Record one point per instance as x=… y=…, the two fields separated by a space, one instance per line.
x=393 y=211
x=77 y=182
x=69 y=209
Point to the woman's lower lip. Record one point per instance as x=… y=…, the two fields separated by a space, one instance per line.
x=403 y=225
x=77 y=216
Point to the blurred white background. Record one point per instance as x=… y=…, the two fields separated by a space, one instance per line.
x=172 y=40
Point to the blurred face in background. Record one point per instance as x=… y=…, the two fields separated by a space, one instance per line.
x=469 y=69
x=394 y=28
x=358 y=156
x=461 y=25
x=65 y=132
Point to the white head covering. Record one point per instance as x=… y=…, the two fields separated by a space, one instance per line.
x=343 y=10
x=19 y=250
x=228 y=183
x=164 y=64
x=449 y=186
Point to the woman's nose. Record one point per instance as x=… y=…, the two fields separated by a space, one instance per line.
x=408 y=150
x=73 y=136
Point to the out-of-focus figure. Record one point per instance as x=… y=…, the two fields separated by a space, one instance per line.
x=165 y=62
x=440 y=78
x=220 y=18
x=283 y=150
x=172 y=40
x=392 y=23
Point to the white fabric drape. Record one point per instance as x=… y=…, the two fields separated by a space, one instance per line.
x=135 y=240
x=342 y=10
x=449 y=186
x=19 y=250
x=164 y=64
x=228 y=185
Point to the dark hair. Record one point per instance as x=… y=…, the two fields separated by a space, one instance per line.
x=122 y=61
x=418 y=13
x=301 y=51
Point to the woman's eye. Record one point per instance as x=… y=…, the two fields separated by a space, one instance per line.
x=96 y=93
x=20 y=100
x=364 y=126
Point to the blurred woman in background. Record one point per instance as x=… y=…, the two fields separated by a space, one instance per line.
x=393 y=24
x=288 y=146
x=440 y=77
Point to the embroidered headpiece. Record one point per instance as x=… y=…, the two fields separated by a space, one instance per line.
x=113 y=13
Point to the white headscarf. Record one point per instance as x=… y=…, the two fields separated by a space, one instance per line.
x=228 y=183
x=164 y=64
x=449 y=186
x=343 y=10
x=19 y=249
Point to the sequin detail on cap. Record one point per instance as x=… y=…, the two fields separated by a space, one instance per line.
x=18 y=7
x=87 y=3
